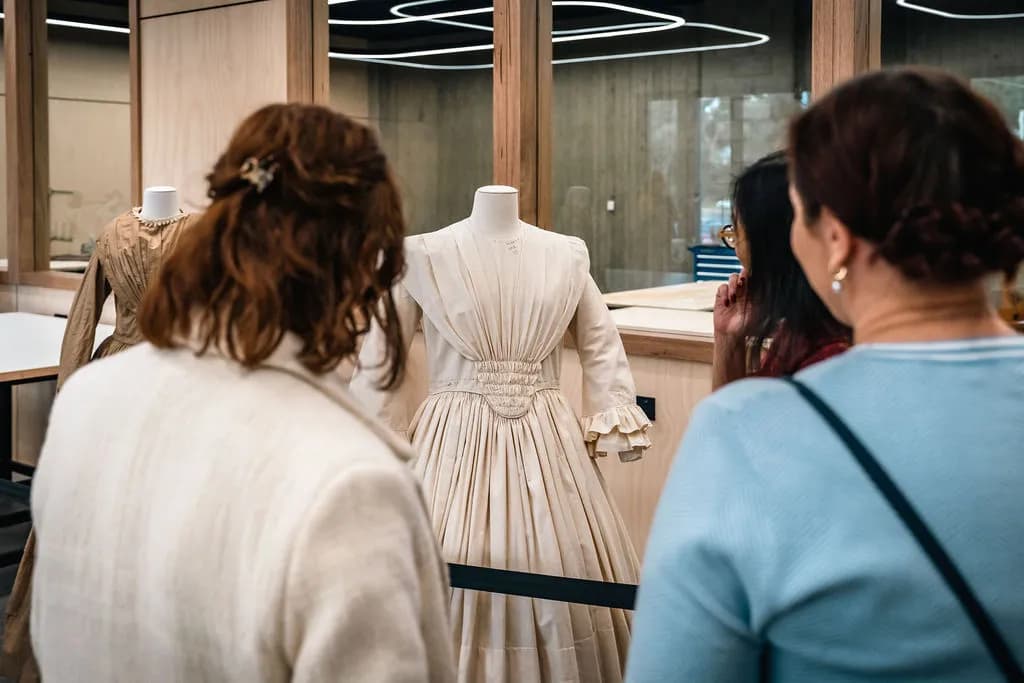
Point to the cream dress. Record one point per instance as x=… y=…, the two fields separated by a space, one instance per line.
x=506 y=466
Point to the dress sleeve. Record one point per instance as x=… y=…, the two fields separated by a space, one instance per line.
x=80 y=333
x=693 y=613
x=366 y=596
x=612 y=422
x=393 y=406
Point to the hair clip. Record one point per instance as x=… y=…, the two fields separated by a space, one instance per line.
x=258 y=172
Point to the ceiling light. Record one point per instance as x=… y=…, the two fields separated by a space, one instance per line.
x=668 y=20
x=671 y=21
x=664 y=22
x=88 y=26
x=753 y=37
x=84 y=25
x=953 y=15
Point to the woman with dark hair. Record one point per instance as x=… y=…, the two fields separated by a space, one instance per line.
x=768 y=321
x=212 y=505
x=863 y=520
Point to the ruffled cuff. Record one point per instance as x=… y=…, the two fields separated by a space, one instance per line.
x=621 y=430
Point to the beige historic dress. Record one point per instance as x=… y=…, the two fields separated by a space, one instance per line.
x=507 y=469
x=128 y=254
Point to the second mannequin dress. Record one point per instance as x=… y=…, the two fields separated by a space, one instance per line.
x=507 y=468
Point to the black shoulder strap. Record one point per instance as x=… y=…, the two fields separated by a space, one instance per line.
x=986 y=628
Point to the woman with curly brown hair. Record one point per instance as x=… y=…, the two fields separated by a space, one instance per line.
x=863 y=520
x=212 y=506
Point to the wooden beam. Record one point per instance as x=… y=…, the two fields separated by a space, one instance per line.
x=28 y=219
x=51 y=279
x=845 y=41
x=545 y=97
x=298 y=42
x=135 y=104
x=522 y=104
x=321 y=48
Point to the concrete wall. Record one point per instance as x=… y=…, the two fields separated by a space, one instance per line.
x=988 y=53
x=663 y=136
x=436 y=128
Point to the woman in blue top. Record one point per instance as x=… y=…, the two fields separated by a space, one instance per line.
x=773 y=556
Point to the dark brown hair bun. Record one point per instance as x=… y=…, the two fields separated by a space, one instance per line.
x=918 y=163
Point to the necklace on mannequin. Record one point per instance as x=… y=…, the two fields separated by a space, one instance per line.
x=161 y=223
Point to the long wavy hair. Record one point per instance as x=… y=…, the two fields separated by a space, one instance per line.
x=303 y=236
x=783 y=306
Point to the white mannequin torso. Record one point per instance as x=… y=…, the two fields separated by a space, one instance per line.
x=159 y=203
x=496 y=212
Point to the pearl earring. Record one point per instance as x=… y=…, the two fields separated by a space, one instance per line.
x=838 y=279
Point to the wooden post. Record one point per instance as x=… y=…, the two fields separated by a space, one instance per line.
x=522 y=104
x=845 y=41
x=28 y=162
x=135 y=100
x=307 y=47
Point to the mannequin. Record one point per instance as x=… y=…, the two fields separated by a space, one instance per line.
x=159 y=202
x=507 y=468
x=129 y=251
x=496 y=211
x=128 y=254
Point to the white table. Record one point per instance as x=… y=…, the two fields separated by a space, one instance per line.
x=29 y=352
x=693 y=296
x=71 y=266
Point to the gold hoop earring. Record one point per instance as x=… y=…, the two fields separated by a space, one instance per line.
x=838 y=279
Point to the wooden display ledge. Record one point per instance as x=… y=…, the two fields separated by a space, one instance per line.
x=666 y=333
x=51 y=279
x=667 y=346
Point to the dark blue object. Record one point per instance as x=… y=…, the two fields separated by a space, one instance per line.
x=713 y=263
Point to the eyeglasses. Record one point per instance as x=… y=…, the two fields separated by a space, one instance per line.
x=728 y=235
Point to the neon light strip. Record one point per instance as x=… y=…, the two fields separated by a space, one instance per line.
x=756 y=39
x=83 y=25
x=411 y=20
x=87 y=26
x=669 y=20
x=952 y=15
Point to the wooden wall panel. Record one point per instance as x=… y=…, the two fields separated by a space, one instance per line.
x=157 y=8
x=202 y=73
x=27 y=123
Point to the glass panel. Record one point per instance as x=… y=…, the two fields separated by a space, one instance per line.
x=955 y=35
x=976 y=39
x=426 y=87
x=3 y=153
x=89 y=133
x=653 y=117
